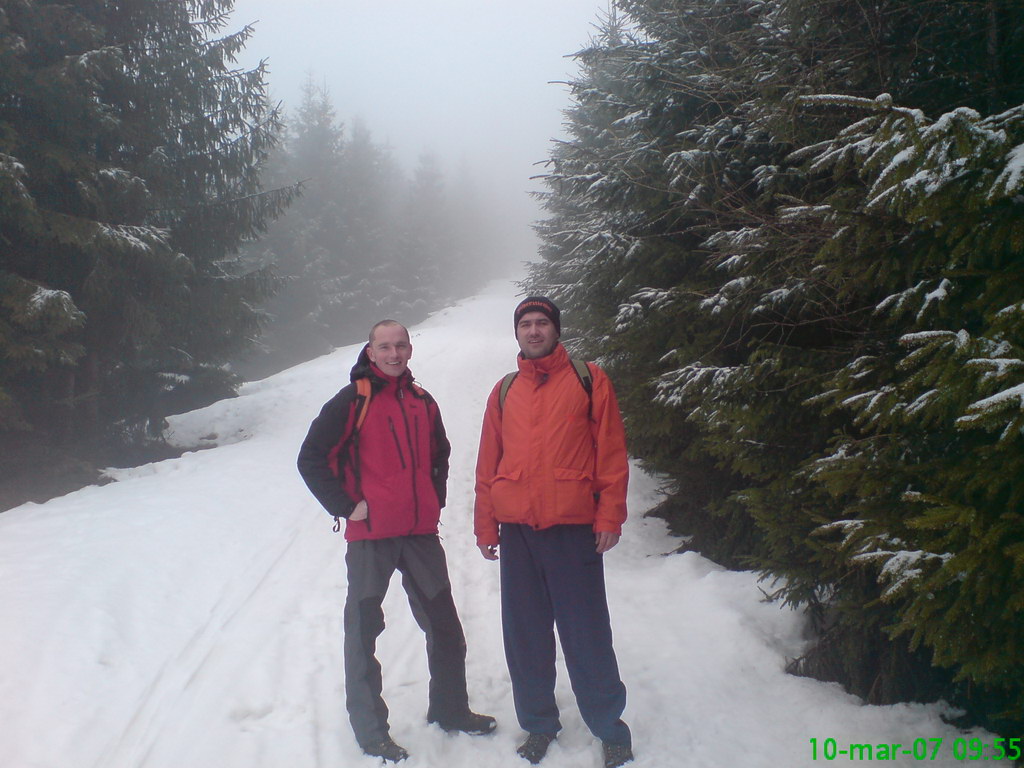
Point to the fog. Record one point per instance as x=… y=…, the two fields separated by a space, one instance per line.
x=479 y=84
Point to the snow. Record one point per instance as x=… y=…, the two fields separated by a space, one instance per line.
x=189 y=614
x=900 y=568
x=727 y=292
x=774 y=298
x=11 y=165
x=1011 y=177
x=732 y=263
x=45 y=300
x=922 y=402
x=633 y=312
x=940 y=294
x=746 y=237
x=140 y=240
x=995 y=367
x=1010 y=396
x=632 y=119
x=627 y=315
x=926 y=337
x=903 y=157
x=800 y=212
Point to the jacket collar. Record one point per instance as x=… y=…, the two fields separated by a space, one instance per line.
x=544 y=366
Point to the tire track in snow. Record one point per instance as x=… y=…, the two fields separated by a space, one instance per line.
x=178 y=680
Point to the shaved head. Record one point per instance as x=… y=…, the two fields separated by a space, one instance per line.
x=388 y=324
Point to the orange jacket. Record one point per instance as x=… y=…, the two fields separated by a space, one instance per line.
x=540 y=462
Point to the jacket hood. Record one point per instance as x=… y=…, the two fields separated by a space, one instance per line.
x=363 y=367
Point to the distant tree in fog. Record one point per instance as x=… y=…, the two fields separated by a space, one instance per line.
x=300 y=247
x=363 y=242
x=371 y=184
x=475 y=235
x=424 y=251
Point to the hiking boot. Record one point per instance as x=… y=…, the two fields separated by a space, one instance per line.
x=535 y=747
x=387 y=750
x=469 y=722
x=616 y=754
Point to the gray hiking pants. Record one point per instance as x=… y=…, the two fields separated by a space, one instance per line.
x=421 y=561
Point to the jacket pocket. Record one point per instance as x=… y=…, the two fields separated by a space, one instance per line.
x=574 y=491
x=506 y=497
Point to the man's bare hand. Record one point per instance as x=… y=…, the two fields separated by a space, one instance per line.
x=605 y=541
x=360 y=512
x=489 y=551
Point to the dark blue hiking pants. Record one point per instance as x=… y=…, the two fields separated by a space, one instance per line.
x=556 y=577
x=421 y=561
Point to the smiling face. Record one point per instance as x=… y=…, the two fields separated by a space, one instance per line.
x=390 y=349
x=536 y=335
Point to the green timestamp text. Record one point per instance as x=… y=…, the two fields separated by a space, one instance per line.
x=962 y=749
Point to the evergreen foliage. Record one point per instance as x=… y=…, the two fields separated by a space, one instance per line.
x=793 y=231
x=130 y=152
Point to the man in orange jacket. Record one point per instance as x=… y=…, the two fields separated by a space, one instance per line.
x=551 y=480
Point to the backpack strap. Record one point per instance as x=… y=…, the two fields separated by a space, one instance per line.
x=505 y=384
x=358 y=415
x=420 y=392
x=364 y=391
x=582 y=373
x=587 y=381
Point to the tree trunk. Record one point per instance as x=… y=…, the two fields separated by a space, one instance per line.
x=992 y=49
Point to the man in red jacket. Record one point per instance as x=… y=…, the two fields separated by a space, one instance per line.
x=551 y=481
x=388 y=479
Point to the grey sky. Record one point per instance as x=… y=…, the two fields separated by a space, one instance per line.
x=469 y=80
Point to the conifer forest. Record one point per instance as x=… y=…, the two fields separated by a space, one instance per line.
x=792 y=231
x=166 y=230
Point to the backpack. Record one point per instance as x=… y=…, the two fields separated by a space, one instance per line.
x=582 y=373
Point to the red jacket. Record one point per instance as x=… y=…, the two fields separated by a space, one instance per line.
x=542 y=461
x=397 y=462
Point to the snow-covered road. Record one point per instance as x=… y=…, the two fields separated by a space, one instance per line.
x=189 y=615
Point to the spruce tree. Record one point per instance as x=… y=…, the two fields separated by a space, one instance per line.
x=714 y=235
x=131 y=148
x=930 y=475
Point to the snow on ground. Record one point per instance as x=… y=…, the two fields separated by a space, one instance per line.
x=189 y=615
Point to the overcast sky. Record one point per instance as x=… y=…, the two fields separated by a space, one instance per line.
x=469 y=80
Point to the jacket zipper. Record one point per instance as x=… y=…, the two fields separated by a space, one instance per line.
x=398 y=445
x=416 y=429
x=412 y=455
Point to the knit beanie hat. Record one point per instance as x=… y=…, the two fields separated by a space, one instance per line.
x=539 y=304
